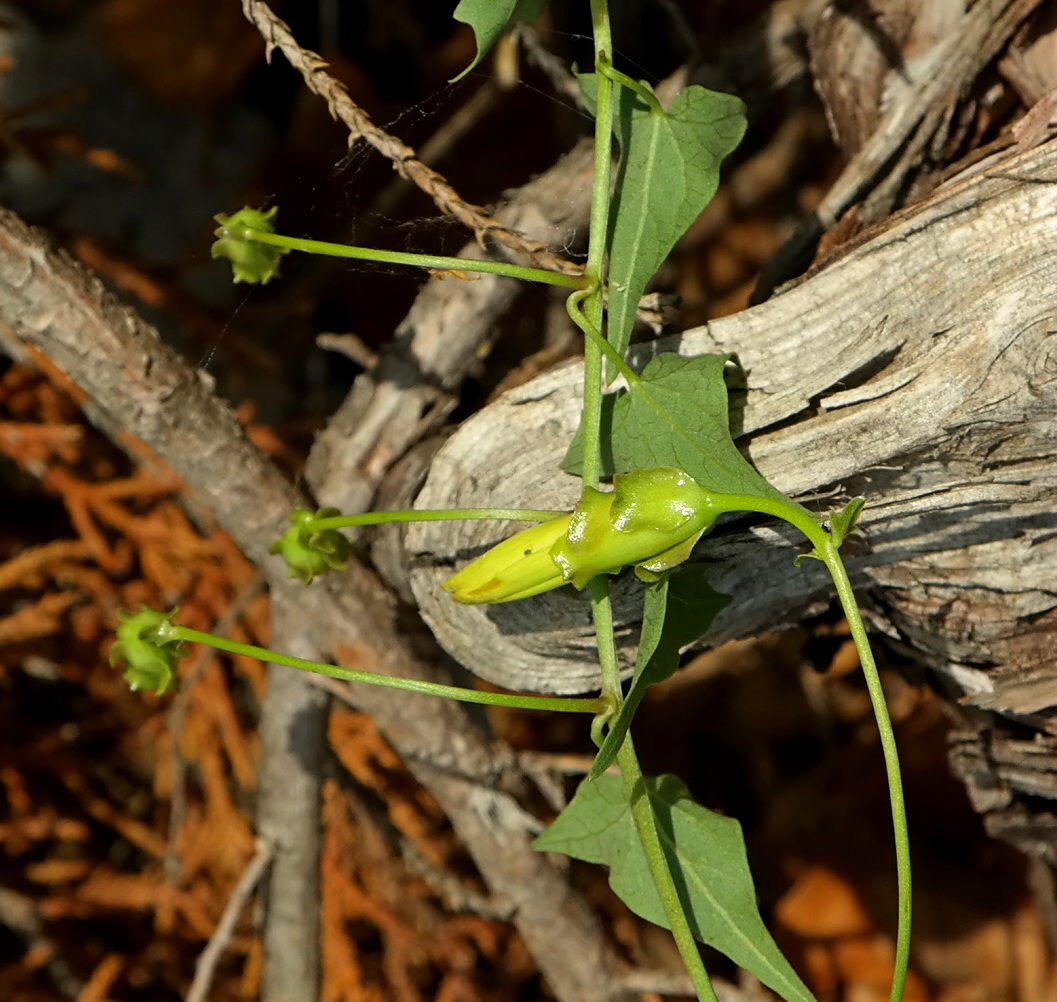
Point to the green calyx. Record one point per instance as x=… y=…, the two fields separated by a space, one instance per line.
x=251 y=261
x=308 y=551
x=147 y=650
x=651 y=519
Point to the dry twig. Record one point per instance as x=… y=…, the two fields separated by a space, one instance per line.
x=206 y=967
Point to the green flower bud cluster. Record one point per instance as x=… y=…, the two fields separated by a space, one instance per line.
x=251 y=261
x=309 y=552
x=147 y=651
x=650 y=520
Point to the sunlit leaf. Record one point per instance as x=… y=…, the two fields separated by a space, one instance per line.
x=668 y=173
x=705 y=853
x=675 y=414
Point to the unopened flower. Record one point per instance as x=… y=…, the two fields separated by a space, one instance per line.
x=515 y=568
x=251 y=260
x=308 y=551
x=148 y=653
x=651 y=519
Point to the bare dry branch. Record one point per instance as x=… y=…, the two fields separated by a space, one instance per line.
x=206 y=967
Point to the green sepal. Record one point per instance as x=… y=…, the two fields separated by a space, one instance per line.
x=653 y=569
x=308 y=551
x=840 y=524
x=148 y=653
x=251 y=261
x=652 y=517
x=844 y=521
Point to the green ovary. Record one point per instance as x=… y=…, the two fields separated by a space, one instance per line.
x=651 y=519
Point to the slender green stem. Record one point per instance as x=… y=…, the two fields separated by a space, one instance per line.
x=435 y=515
x=433 y=261
x=587 y=309
x=598 y=246
x=825 y=548
x=644 y=93
x=674 y=907
x=560 y=705
x=594 y=335
x=785 y=510
x=639 y=803
x=602 y=612
x=831 y=558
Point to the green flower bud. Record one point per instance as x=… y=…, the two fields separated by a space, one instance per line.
x=309 y=552
x=148 y=653
x=651 y=519
x=251 y=261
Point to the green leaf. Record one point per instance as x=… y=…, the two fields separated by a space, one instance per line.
x=489 y=18
x=675 y=414
x=706 y=855
x=668 y=173
x=678 y=609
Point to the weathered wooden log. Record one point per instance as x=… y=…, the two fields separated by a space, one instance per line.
x=918 y=368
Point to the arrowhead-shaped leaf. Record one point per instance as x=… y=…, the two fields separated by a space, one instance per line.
x=668 y=173
x=706 y=855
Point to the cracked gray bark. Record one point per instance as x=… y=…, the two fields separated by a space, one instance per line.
x=918 y=370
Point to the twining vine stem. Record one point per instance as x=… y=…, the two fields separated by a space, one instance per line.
x=588 y=306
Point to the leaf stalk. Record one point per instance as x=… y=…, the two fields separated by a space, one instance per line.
x=674 y=908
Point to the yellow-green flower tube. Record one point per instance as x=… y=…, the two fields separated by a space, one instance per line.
x=651 y=519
